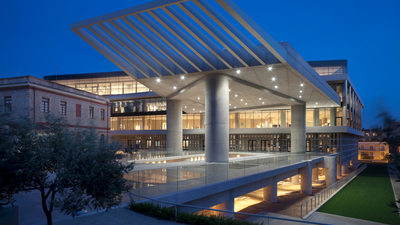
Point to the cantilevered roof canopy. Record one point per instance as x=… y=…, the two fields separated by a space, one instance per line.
x=165 y=38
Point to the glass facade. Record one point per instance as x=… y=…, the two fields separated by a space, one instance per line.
x=105 y=85
x=329 y=67
x=138 y=105
x=252 y=119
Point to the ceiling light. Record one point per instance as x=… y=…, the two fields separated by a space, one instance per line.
x=246 y=103
x=235 y=95
x=331 y=105
x=270 y=68
x=198 y=98
x=315 y=106
x=276 y=86
x=299 y=96
x=200 y=111
x=182 y=77
x=273 y=79
x=259 y=99
x=185 y=107
x=301 y=85
x=237 y=71
x=262 y=102
x=193 y=109
x=158 y=80
x=241 y=100
x=229 y=104
x=229 y=89
x=174 y=87
x=301 y=91
x=316 y=103
x=234 y=107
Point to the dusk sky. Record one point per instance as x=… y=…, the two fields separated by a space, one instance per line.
x=36 y=39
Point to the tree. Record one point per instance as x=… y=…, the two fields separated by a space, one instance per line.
x=391 y=129
x=73 y=169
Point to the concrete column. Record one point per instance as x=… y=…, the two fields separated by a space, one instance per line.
x=202 y=121
x=339 y=170
x=315 y=174
x=270 y=193
x=295 y=179
x=330 y=165
x=283 y=118
x=174 y=127
x=298 y=129
x=228 y=206
x=344 y=104
x=306 y=179
x=316 y=117
x=217 y=119
x=333 y=117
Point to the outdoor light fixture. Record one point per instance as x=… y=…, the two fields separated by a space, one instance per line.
x=185 y=107
x=235 y=95
x=276 y=86
x=301 y=85
x=193 y=109
x=198 y=98
x=259 y=99
x=241 y=100
x=229 y=89
x=270 y=68
x=182 y=77
x=246 y=103
x=234 y=107
x=229 y=104
x=273 y=79
x=262 y=103
x=315 y=106
x=301 y=91
x=158 y=80
x=237 y=71
x=299 y=96
x=174 y=87
x=316 y=103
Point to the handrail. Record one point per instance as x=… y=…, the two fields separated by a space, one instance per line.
x=219 y=210
x=323 y=196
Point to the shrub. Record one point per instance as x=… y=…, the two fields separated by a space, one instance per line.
x=164 y=212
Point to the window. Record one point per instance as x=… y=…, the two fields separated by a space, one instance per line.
x=63 y=108
x=45 y=105
x=371 y=147
x=91 y=109
x=7 y=103
x=374 y=134
x=78 y=110
x=102 y=114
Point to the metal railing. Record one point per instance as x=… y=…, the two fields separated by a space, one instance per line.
x=312 y=204
x=270 y=219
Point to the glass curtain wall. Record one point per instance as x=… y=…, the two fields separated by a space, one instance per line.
x=106 y=85
x=254 y=119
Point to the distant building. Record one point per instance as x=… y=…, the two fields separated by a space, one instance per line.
x=374 y=151
x=35 y=98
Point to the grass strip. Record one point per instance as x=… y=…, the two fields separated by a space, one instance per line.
x=366 y=197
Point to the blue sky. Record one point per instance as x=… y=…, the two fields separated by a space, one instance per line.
x=35 y=39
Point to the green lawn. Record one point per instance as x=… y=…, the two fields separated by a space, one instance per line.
x=366 y=197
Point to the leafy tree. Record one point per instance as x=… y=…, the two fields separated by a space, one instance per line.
x=14 y=136
x=391 y=129
x=72 y=169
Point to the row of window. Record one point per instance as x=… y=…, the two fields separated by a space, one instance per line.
x=45 y=108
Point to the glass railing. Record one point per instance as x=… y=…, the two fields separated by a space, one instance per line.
x=167 y=180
